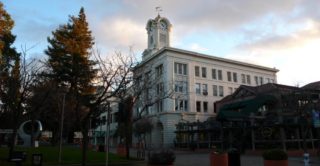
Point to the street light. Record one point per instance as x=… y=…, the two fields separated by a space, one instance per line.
x=107 y=133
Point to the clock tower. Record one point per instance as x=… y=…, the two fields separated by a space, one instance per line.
x=158 y=30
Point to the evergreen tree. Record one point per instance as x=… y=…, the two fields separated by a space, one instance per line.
x=10 y=94
x=69 y=53
x=71 y=67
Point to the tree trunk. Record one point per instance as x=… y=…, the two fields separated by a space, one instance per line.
x=127 y=146
x=84 y=145
x=304 y=138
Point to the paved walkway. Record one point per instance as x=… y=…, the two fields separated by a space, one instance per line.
x=201 y=158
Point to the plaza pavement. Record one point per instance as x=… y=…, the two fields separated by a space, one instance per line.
x=201 y=158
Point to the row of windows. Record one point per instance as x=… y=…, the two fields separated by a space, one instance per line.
x=182 y=105
x=180 y=68
x=231 y=76
x=181 y=86
x=203 y=89
x=202 y=106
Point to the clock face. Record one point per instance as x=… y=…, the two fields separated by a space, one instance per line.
x=163 y=25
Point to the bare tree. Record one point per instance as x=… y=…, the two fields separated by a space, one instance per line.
x=20 y=90
x=145 y=90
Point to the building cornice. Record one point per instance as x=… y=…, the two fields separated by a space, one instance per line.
x=205 y=56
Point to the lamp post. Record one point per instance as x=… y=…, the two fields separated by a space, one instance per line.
x=306 y=159
x=107 y=133
x=61 y=127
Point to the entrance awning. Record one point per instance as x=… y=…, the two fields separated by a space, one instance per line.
x=242 y=109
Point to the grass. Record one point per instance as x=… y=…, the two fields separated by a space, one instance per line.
x=70 y=155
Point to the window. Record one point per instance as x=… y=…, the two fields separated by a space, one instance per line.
x=221 y=91
x=214 y=108
x=138 y=81
x=256 y=79
x=186 y=105
x=261 y=80
x=198 y=88
x=160 y=106
x=181 y=105
x=243 y=78
x=204 y=72
x=214 y=74
x=235 y=77
x=205 y=106
x=181 y=86
x=268 y=80
x=219 y=74
x=197 y=71
x=205 y=89
x=147 y=94
x=147 y=76
x=180 y=68
x=151 y=39
x=248 y=79
x=198 y=106
x=229 y=76
x=159 y=70
x=160 y=88
x=215 y=90
x=230 y=89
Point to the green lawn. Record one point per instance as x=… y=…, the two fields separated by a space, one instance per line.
x=70 y=155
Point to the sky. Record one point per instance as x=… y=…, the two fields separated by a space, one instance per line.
x=284 y=34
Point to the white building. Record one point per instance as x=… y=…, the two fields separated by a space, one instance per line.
x=198 y=80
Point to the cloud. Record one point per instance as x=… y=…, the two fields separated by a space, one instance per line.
x=310 y=31
x=120 y=34
x=197 y=47
x=280 y=33
x=295 y=53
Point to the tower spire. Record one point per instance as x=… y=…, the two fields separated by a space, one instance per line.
x=158 y=10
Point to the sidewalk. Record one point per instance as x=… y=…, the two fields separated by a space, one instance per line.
x=201 y=158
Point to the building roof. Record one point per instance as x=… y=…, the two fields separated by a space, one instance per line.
x=247 y=99
x=244 y=108
x=312 y=85
x=205 y=56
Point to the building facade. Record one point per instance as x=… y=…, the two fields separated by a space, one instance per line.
x=196 y=81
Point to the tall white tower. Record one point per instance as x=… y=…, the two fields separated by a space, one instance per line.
x=158 y=30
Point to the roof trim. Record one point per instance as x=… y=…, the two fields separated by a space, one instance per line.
x=164 y=49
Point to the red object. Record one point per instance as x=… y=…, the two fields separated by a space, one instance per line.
x=275 y=162
x=121 y=150
x=218 y=159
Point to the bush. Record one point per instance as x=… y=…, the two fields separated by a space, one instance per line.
x=275 y=154
x=216 y=150
x=162 y=156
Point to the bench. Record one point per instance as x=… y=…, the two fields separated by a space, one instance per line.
x=17 y=157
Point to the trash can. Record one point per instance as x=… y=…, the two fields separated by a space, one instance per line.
x=234 y=157
x=37 y=159
x=101 y=148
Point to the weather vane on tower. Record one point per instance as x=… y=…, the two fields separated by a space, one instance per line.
x=158 y=9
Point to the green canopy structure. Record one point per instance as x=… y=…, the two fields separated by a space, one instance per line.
x=242 y=109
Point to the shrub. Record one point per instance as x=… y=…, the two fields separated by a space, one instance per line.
x=275 y=154
x=216 y=150
x=162 y=156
